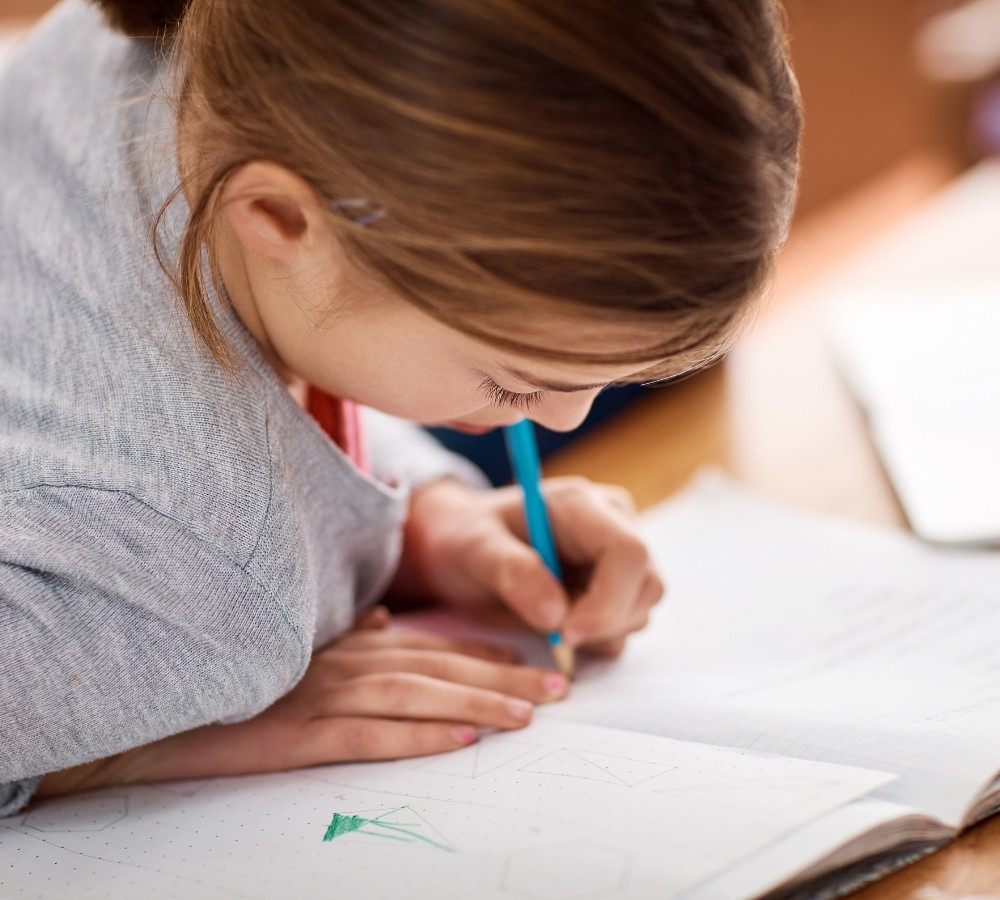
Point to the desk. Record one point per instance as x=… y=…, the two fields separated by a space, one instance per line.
x=777 y=417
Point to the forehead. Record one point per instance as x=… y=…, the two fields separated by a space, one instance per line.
x=574 y=354
x=559 y=347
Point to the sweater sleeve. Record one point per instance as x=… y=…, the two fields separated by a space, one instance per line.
x=14 y=795
x=424 y=458
x=121 y=627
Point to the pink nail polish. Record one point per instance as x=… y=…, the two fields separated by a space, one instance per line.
x=555 y=684
x=464 y=734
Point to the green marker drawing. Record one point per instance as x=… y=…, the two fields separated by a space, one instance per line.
x=346 y=823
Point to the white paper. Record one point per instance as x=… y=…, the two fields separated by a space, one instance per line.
x=553 y=811
x=820 y=658
x=818 y=639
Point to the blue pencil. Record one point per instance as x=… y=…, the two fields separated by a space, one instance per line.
x=523 y=453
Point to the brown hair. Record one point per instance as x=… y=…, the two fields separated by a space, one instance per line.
x=630 y=161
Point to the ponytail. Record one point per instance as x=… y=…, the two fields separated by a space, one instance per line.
x=149 y=19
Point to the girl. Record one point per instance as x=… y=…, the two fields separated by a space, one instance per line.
x=454 y=212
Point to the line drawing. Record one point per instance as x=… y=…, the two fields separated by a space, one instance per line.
x=78 y=813
x=384 y=826
x=597 y=767
x=168 y=872
x=181 y=788
x=482 y=757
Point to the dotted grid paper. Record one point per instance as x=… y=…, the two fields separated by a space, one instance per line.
x=553 y=811
x=818 y=639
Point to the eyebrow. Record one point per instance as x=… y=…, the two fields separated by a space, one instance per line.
x=558 y=386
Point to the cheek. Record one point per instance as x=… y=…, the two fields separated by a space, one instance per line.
x=405 y=392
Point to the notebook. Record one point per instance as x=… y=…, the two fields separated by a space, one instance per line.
x=814 y=703
x=924 y=364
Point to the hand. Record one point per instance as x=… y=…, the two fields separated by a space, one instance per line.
x=378 y=693
x=470 y=549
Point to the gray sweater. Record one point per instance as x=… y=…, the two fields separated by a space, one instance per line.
x=174 y=543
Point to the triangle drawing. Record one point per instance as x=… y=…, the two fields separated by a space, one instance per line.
x=487 y=755
x=596 y=767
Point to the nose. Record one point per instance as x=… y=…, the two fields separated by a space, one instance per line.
x=564 y=412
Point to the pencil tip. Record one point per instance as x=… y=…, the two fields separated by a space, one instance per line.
x=565 y=657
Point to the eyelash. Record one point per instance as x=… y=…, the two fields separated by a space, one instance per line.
x=499 y=396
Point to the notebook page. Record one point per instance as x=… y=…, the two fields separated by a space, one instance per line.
x=555 y=810
x=814 y=638
x=780 y=863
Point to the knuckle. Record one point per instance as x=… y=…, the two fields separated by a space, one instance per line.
x=601 y=621
x=632 y=551
x=620 y=497
x=390 y=691
x=360 y=739
x=485 y=706
x=438 y=665
x=657 y=589
x=641 y=621
x=516 y=575
x=569 y=487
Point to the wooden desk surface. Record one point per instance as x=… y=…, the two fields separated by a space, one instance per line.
x=777 y=417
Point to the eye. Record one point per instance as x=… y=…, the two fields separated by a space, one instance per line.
x=499 y=396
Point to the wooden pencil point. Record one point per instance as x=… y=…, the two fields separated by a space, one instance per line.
x=565 y=657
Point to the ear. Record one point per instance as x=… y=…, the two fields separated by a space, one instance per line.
x=273 y=212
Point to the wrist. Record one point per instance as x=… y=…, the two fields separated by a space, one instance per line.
x=429 y=520
x=83 y=777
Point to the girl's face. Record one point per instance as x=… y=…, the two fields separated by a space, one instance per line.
x=383 y=352
x=321 y=321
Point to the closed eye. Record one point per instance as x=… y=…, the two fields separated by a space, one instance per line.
x=499 y=396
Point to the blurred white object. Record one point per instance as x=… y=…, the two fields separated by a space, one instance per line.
x=924 y=363
x=962 y=44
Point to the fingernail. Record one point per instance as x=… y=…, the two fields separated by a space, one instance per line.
x=519 y=709
x=556 y=685
x=464 y=734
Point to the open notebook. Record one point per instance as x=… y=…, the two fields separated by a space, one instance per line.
x=925 y=366
x=814 y=700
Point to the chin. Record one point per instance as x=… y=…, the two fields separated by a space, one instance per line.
x=466 y=427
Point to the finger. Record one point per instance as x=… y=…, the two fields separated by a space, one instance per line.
x=375 y=619
x=363 y=738
x=587 y=517
x=528 y=683
x=607 y=649
x=593 y=534
x=619 y=498
x=415 y=639
x=404 y=695
x=515 y=573
x=613 y=595
x=649 y=596
x=653 y=590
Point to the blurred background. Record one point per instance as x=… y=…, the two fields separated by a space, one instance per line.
x=900 y=97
